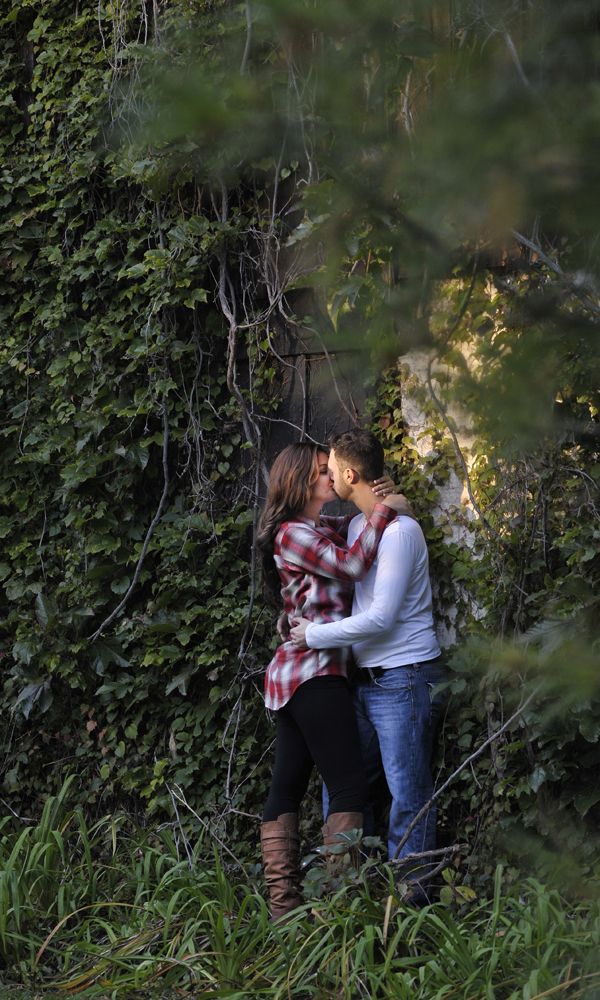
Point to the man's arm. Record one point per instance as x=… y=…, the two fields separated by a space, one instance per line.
x=396 y=558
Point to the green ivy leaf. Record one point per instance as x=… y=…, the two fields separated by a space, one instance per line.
x=15 y=589
x=24 y=652
x=32 y=693
x=197 y=295
x=46 y=611
x=589 y=727
x=107 y=651
x=537 y=778
x=180 y=681
x=585 y=800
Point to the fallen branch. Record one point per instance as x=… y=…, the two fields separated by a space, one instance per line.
x=451 y=849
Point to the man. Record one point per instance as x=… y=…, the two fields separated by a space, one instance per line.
x=394 y=644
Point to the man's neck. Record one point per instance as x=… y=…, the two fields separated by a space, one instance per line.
x=364 y=498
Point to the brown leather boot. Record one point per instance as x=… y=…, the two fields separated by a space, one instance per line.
x=336 y=825
x=280 y=845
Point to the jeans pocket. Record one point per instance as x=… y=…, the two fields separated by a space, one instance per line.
x=395 y=679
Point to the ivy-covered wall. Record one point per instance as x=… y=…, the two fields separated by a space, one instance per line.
x=120 y=474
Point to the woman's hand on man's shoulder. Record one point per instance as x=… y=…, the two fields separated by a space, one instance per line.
x=399 y=504
x=388 y=493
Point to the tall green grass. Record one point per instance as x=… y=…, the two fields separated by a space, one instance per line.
x=92 y=910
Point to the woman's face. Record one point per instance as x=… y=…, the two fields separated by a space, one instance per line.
x=323 y=487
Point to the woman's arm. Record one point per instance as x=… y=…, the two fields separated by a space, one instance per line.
x=304 y=547
x=384 y=487
x=338 y=522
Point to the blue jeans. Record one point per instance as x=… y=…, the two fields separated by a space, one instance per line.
x=398 y=716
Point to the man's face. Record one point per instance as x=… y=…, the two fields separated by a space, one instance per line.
x=341 y=488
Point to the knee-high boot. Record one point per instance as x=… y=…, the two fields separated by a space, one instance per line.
x=336 y=825
x=280 y=845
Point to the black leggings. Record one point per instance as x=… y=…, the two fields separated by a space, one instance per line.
x=317 y=726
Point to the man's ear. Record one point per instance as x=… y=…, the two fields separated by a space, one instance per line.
x=351 y=476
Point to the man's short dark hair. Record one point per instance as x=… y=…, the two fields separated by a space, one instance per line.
x=359 y=450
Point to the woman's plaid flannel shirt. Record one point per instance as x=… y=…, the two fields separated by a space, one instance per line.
x=317 y=573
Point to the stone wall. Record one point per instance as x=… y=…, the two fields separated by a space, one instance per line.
x=453 y=512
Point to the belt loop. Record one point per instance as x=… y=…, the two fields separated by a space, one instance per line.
x=371 y=674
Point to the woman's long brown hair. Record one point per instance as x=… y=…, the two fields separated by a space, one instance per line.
x=293 y=474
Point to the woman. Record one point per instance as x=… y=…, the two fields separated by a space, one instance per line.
x=307 y=564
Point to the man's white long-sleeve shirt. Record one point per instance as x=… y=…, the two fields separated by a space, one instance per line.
x=392 y=621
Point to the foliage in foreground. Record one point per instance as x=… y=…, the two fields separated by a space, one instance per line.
x=97 y=911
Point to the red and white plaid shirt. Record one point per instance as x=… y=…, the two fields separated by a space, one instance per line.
x=317 y=573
